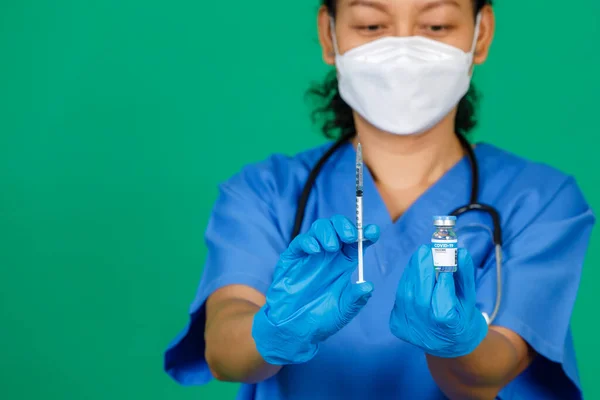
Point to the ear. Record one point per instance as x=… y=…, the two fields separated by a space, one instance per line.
x=487 y=28
x=325 y=35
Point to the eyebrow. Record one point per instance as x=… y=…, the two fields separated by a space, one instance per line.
x=437 y=3
x=370 y=3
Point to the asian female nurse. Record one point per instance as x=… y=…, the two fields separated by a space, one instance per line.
x=284 y=316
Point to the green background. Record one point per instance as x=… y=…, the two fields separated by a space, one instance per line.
x=119 y=117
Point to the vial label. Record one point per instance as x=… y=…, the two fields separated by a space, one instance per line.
x=445 y=255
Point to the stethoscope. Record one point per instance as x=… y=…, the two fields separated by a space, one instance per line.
x=473 y=205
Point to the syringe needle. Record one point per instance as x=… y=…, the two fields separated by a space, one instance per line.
x=359 y=210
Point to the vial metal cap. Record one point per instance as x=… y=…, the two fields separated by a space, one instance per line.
x=444 y=220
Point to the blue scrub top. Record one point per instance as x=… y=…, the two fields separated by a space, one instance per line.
x=546 y=226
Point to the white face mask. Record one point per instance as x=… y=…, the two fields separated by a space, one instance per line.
x=404 y=85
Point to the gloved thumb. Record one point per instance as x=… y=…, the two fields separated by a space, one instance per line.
x=354 y=298
x=444 y=302
x=371 y=236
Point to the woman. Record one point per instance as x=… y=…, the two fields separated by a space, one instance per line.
x=286 y=318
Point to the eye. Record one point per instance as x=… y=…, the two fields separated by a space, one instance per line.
x=369 y=28
x=373 y=28
x=438 y=29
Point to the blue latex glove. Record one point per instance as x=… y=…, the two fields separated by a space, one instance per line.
x=438 y=317
x=312 y=295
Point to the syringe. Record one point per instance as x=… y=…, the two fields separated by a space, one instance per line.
x=359 y=210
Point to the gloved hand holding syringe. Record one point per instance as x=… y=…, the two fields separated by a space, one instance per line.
x=312 y=296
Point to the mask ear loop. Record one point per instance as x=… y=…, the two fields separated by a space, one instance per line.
x=474 y=44
x=333 y=39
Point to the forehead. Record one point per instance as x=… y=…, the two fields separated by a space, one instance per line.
x=390 y=5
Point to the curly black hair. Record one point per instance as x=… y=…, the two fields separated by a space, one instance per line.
x=335 y=115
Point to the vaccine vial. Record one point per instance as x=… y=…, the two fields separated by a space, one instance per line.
x=444 y=244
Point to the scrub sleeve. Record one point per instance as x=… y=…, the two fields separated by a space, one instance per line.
x=244 y=243
x=542 y=267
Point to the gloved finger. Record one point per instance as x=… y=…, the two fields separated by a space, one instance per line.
x=465 y=276
x=405 y=309
x=345 y=229
x=353 y=299
x=424 y=277
x=411 y=271
x=303 y=245
x=370 y=237
x=407 y=279
x=348 y=234
x=323 y=231
x=444 y=302
x=405 y=292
